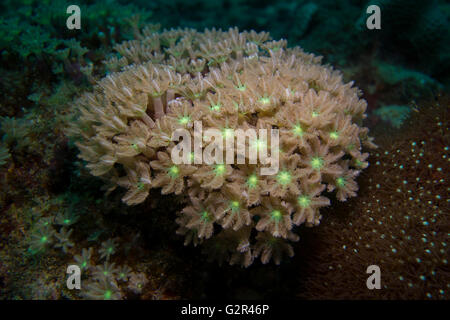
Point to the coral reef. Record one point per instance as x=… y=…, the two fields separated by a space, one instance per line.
x=232 y=82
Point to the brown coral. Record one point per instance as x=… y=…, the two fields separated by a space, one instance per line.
x=400 y=222
x=235 y=82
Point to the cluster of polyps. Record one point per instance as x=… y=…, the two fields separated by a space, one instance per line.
x=232 y=82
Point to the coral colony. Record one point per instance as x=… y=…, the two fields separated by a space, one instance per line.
x=232 y=82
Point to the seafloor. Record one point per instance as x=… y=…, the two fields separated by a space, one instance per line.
x=399 y=220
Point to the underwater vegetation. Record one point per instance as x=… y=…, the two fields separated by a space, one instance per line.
x=127 y=237
x=56 y=63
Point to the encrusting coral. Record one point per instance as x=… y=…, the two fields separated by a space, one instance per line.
x=164 y=81
x=400 y=222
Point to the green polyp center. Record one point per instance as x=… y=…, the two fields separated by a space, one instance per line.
x=317 y=163
x=184 y=120
x=107 y=294
x=264 y=100
x=134 y=146
x=340 y=182
x=334 y=135
x=227 y=132
x=140 y=185
x=174 y=171
x=234 y=205
x=84 y=264
x=220 y=169
x=298 y=130
x=105 y=273
x=284 y=177
x=304 y=201
x=66 y=221
x=216 y=107
x=110 y=249
x=252 y=181
x=241 y=87
x=276 y=215
x=258 y=143
x=205 y=216
x=315 y=114
x=44 y=239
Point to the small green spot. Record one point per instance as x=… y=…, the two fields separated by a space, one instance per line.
x=216 y=107
x=258 y=143
x=227 y=132
x=184 y=120
x=234 y=205
x=252 y=181
x=205 y=216
x=44 y=239
x=241 y=87
x=84 y=264
x=220 y=169
x=66 y=221
x=264 y=100
x=340 y=182
x=284 y=178
x=334 y=135
x=107 y=295
x=298 y=130
x=173 y=171
x=141 y=186
x=276 y=215
x=304 y=201
x=134 y=146
x=315 y=114
x=317 y=163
